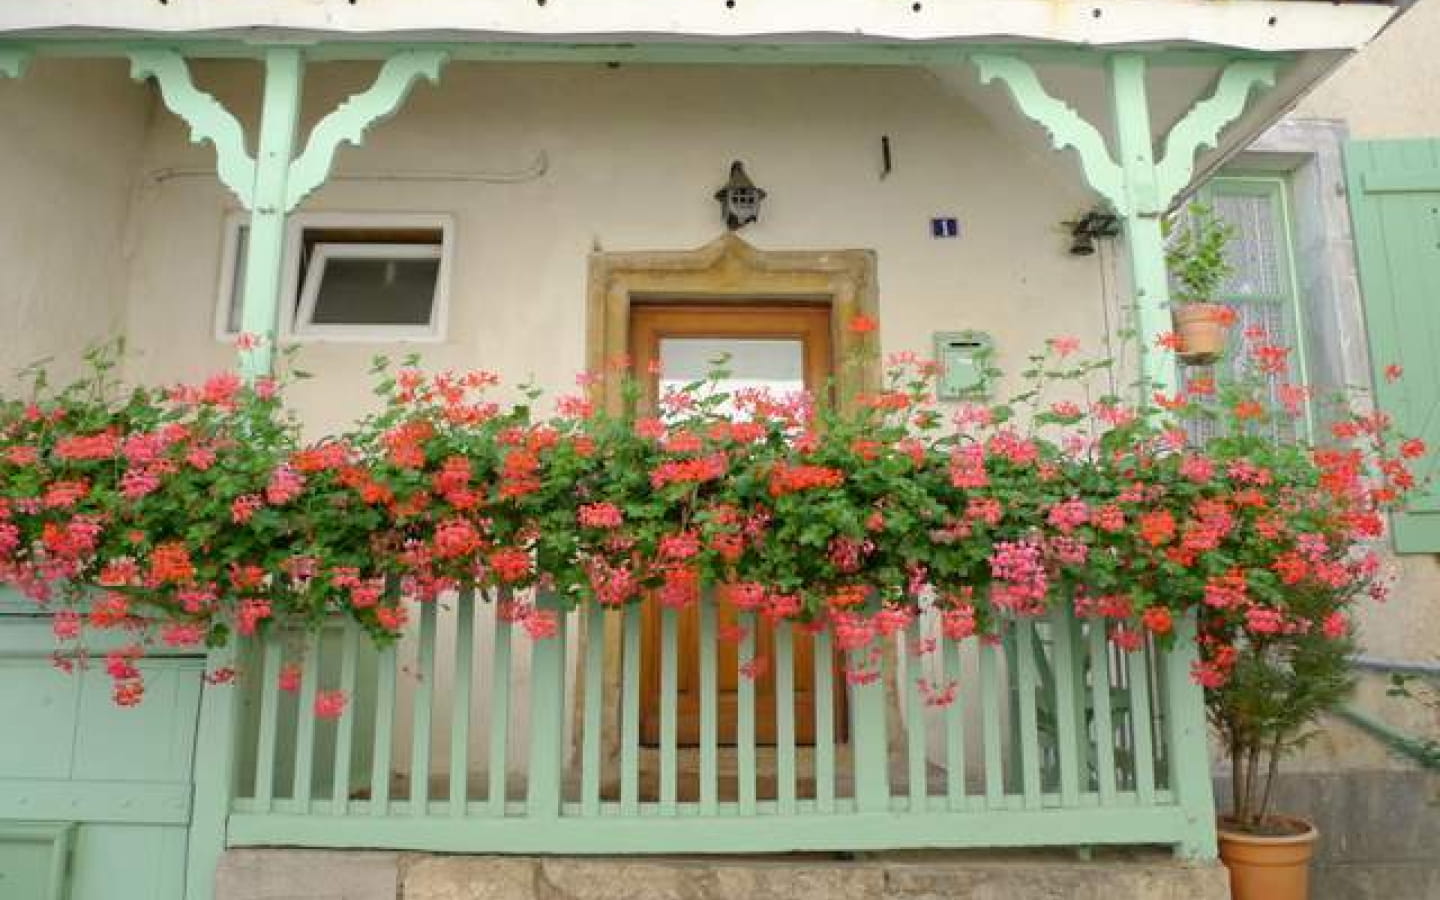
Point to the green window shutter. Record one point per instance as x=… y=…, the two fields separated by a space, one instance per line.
x=1394 y=189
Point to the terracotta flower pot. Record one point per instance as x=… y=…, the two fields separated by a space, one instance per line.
x=1201 y=328
x=1269 y=867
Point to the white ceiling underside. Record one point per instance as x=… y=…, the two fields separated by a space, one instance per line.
x=1257 y=25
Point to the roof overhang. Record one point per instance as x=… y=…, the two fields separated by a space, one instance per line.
x=1252 y=25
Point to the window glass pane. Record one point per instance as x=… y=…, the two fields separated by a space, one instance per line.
x=1255 y=252
x=376 y=292
x=773 y=364
x=237 y=281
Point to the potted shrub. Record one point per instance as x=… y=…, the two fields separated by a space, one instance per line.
x=1278 y=686
x=1196 y=259
x=1292 y=556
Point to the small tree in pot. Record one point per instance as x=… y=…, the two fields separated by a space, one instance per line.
x=1292 y=554
x=1195 y=256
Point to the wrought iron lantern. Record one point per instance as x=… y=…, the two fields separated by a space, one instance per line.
x=739 y=198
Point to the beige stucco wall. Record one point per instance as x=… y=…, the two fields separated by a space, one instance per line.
x=634 y=155
x=1392 y=88
x=71 y=145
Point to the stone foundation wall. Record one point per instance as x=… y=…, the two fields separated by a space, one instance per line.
x=307 y=875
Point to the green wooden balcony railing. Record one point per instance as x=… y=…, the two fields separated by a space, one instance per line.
x=470 y=738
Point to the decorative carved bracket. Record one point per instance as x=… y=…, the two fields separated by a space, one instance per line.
x=1202 y=125
x=349 y=122
x=1066 y=126
x=207 y=118
x=14 y=61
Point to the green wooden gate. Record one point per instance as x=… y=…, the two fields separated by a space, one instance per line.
x=1394 y=191
x=94 y=798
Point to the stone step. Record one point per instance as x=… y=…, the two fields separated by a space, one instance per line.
x=343 y=875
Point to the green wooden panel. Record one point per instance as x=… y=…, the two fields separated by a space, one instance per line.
x=110 y=787
x=1395 y=212
x=731 y=833
x=35 y=860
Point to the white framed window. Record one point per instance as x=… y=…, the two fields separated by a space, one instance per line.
x=349 y=277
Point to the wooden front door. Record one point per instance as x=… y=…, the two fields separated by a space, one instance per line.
x=787 y=348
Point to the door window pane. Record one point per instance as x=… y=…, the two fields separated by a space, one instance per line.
x=775 y=365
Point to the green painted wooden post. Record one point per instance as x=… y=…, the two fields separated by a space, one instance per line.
x=547 y=716
x=1136 y=186
x=265 y=245
x=1187 y=738
x=1144 y=240
x=215 y=761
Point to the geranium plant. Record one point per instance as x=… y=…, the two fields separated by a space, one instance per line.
x=191 y=514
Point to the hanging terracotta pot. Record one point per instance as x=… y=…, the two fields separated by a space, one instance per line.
x=1201 y=328
x=1269 y=866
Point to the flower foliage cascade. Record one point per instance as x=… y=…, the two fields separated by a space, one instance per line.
x=192 y=514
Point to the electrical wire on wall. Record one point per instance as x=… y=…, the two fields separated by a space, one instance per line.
x=1109 y=301
x=539 y=166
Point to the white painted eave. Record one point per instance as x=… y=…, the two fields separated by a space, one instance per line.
x=1252 y=25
